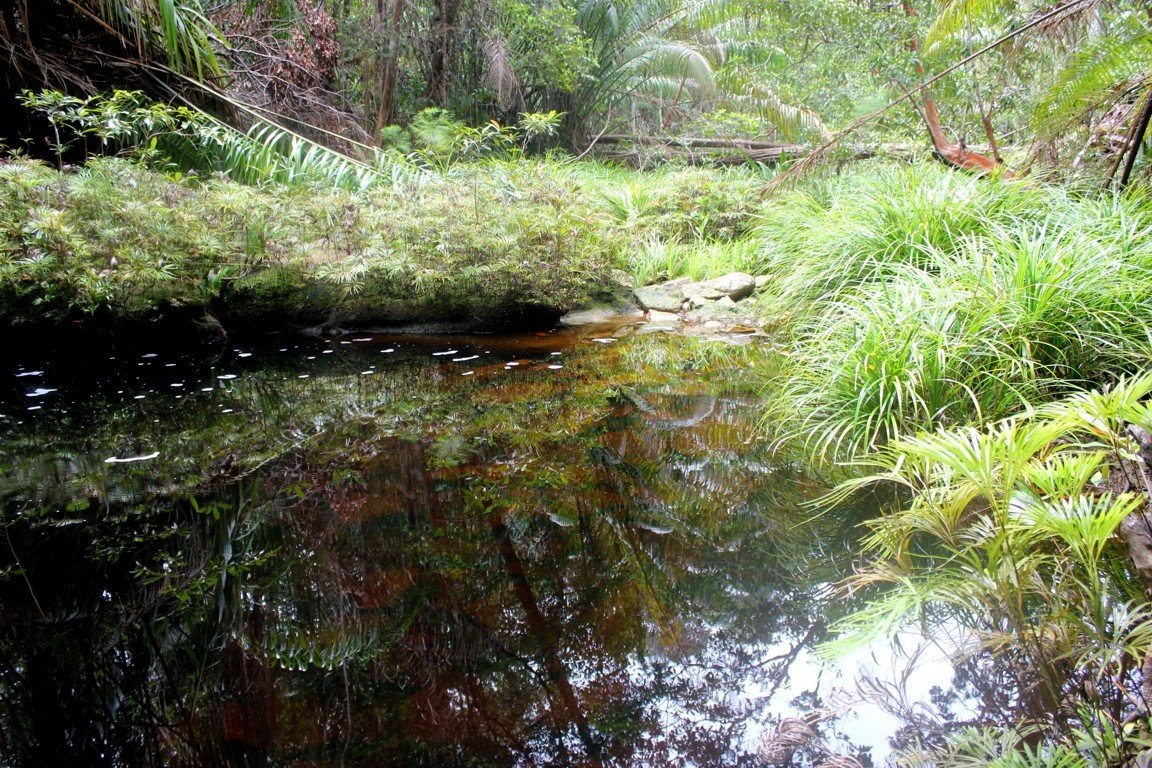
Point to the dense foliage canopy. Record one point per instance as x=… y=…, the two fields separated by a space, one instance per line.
x=1063 y=84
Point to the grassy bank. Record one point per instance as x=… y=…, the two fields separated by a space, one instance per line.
x=915 y=298
x=909 y=297
x=117 y=240
x=942 y=330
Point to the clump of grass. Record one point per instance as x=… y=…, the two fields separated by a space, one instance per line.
x=960 y=318
x=879 y=364
x=683 y=222
x=846 y=232
x=655 y=260
x=695 y=223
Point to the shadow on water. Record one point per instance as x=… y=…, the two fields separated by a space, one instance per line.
x=559 y=550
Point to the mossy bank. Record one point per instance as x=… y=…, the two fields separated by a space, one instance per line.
x=116 y=243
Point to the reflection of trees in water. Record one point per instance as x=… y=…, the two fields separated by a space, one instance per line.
x=581 y=578
x=552 y=609
x=105 y=651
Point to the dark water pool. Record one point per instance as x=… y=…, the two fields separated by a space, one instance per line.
x=563 y=548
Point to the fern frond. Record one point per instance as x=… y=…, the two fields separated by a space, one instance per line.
x=959 y=16
x=1103 y=71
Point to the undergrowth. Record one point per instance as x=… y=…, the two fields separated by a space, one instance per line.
x=1004 y=552
x=915 y=297
x=685 y=222
x=116 y=239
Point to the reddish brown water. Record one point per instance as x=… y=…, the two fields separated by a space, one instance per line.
x=564 y=548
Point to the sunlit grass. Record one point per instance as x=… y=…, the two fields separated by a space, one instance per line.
x=842 y=233
x=656 y=260
x=910 y=313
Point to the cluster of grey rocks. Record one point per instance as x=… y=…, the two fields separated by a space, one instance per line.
x=686 y=305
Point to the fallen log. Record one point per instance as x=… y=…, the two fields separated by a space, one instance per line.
x=703 y=143
x=718 y=155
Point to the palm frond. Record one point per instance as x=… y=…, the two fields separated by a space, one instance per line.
x=709 y=14
x=793 y=121
x=179 y=30
x=672 y=60
x=269 y=152
x=959 y=16
x=1067 y=12
x=499 y=74
x=266 y=152
x=963 y=17
x=642 y=46
x=1104 y=71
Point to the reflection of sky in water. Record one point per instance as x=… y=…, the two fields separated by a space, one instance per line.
x=859 y=720
x=914 y=669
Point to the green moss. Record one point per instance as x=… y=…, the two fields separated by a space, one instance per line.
x=116 y=239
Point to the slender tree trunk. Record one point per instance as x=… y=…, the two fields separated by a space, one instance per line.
x=986 y=121
x=545 y=633
x=391 y=67
x=1123 y=153
x=447 y=11
x=1140 y=127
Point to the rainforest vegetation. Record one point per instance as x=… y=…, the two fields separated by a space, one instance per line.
x=946 y=205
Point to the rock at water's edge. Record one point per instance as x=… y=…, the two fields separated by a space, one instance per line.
x=734 y=285
x=663 y=318
x=662 y=298
x=593 y=315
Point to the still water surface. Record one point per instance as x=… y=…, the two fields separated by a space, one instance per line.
x=563 y=548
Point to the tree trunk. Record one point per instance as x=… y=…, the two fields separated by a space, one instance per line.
x=545 y=633
x=955 y=154
x=447 y=11
x=986 y=121
x=1133 y=148
x=952 y=153
x=391 y=67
